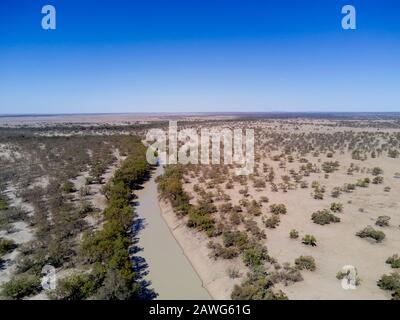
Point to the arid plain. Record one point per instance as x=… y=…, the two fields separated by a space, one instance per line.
x=323 y=195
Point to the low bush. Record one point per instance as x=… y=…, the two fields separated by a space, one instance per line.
x=394 y=261
x=219 y=251
x=235 y=218
x=390 y=282
x=336 y=207
x=3 y=203
x=382 y=221
x=235 y=238
x=203 y=222
x=254 y=208
x=278 y=208
x=74 y=287
x=377 y=180
x=257 y=286
x=370 y=232
x=255 y=255
x=6 y=246
x=305 y=262
x=309 y=240
x=254 y=229
x=323 y=217
x=294 y=234
x=272 y=222
x=68 y=187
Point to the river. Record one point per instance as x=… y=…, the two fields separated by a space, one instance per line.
x=170 y=272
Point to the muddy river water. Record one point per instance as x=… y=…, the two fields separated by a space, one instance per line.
x=170 y=272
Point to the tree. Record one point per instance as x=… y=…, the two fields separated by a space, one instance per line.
x=21 y=286
x=74 y=287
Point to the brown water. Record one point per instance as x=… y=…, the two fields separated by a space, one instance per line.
x=170 y=272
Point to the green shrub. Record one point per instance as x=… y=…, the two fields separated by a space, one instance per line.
x=336 y=207
x=254 y=229
x=294 y=234
x=118 y=285
x=21 y=286
x=370 y=232
x=335 y=192
x=394 y=261
x=74 y=287
x=255 y=255
x=257 y=291
x=309 y=240
x=3 y=204
x=257 y=286
x=68 y=187
x=323 y=217
x=396 y=295
x=390 y=282
x=85 y=207
x=6 y=246
x=203 y=222
x=330 y=166
x=377 y=180
x=377 y=171
x=382 y=221
x=235 y=218
x=254 y=208
x=272 y=222
x=278 y=208
x=234 y=238
x=85 y=191
x=305 y=262
x=219 y=251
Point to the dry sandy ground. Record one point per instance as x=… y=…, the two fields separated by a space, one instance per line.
x=337 y=244
x=97 y=199
x=21 y=234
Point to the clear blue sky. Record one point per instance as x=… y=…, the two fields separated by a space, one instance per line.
x=199 y=55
